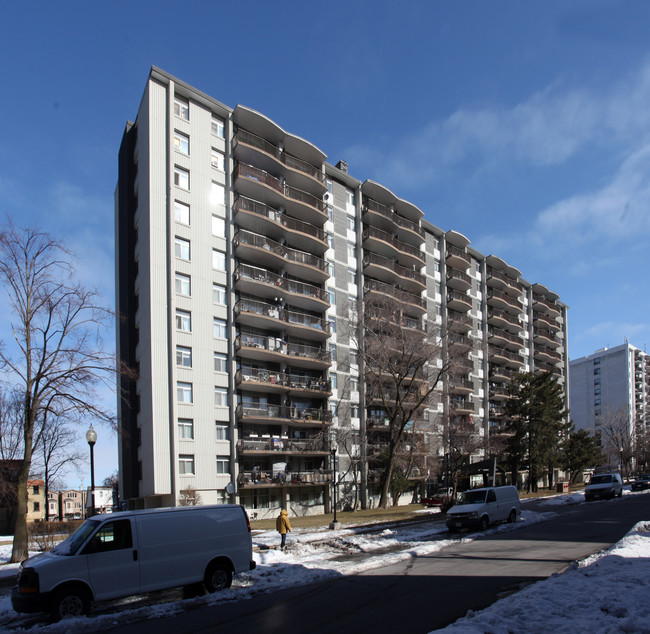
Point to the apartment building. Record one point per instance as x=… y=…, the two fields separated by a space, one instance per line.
x=241 y=257
x=611 y=381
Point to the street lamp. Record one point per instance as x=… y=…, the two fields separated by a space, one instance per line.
x=91 y=439
x=334 y=524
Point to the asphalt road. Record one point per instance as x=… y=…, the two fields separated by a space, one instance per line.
x=424 y=593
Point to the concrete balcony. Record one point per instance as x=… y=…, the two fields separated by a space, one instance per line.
x=458 y=280
x=384 y=243
x=501 y=300
x=380 y=216
x=458 y=301
x=504 y=320
x=457 y=258
x=278 y=414
x=411 y=303
x=266 y=220
x=267 y=479
x=541 y=304
x=385 y=269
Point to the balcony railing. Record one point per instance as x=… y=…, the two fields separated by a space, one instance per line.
x=503 y=353
x=387 y=289
x=245 y=271
x=504 y=279
x=553 y=308
x=255 y=174
x=502 y=334
x=284 y=444
x=499 y=314
x=384 y=236
x=292 y=413
x=511 y=301
x=400 y=221
x=455 y=252
x=292 y=255
x=243 y=136
x=249 y=205
x=263 y=309
x=454 y=274
x=283 y=478
x=402 y=271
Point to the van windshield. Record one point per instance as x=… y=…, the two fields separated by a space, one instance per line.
x=71 y=545
x=601 y=479
x=472 y=497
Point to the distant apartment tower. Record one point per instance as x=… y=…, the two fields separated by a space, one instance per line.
x=241 y=256
x=610 y=381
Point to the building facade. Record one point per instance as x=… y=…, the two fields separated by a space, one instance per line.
x=611 y=381
x=242 y=256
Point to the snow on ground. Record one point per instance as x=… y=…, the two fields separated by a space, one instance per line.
x=314 y=555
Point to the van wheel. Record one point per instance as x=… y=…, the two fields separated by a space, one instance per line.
x=484 y=522
x=512 y=518
x=218 y=577
x=69 y=603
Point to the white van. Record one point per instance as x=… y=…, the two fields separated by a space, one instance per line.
x=133 y=552
x=478 y=508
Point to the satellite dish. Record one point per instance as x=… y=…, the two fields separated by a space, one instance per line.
x=230 y=488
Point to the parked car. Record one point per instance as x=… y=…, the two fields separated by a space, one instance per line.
x=478 y=508
x=439 y=497
x=642 y=482
x=604 y=485
x=133 y=552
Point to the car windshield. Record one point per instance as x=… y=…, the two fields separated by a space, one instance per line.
x=645 y=476
x=71 y=545
x=472 y=497
x=601 y=479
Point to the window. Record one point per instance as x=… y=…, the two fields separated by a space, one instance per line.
x=354 y=411
x=330 y=240
x=354 y=357
x=219 y=328
x=35 y=489
x=218 y=160
x=184 y=392
x=596 y=402
x=184 y=356
x=330 y=269
x=181 y=248
x=330 y=213
x=223 y=464
x=354 y=384
x=181 y=213
x=222 y=431
x=596 y=381
x=349 y=222
x=183 y=284
x=37 y=506
x=181 y=178
x=218 y=128
x=596 y=370
x=349 y=199
x=219 y=294
x=352 y=276
x=332 y=347
x=114 y=535
x=597 y=392
x=332 y=325
x=352 y=252
x=332 y=297
x=181 y=143
x=220 y=397
x=186 y=428
x=181 y=108
x=218 y=260
x=596 y=360
x=597 y=412
x=183 y=320
x=334 y=381
x=186 y=464
x=217 y=194
x=218 y=227
x=220 y=362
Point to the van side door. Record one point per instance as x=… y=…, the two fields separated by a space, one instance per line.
x=113 y=566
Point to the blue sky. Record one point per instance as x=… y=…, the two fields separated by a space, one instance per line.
x=523 y=125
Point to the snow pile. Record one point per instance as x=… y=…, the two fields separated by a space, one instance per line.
x=607 y=592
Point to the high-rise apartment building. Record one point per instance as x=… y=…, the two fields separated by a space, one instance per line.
x=610 y=382
x=241 y=257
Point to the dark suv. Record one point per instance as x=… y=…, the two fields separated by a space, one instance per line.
x=642 y=482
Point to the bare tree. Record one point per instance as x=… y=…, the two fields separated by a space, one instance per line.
x=11 y=437
x=189 y=497
x=463 y=440
x=403 y=367
x=56 y=360
x=617 y=436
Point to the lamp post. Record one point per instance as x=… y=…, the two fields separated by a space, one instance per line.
x=91 y=439
x=335 y=524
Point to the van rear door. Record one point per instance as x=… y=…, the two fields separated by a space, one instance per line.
x=113 y=566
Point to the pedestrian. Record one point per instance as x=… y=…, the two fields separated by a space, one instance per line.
x=283 y=525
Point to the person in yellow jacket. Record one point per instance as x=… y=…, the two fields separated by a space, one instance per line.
x=283 y=525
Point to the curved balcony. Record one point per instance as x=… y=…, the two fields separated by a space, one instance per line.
x=305 y=417
x=546 y=336
x=411 y=302
x=541 y=304
x=500 y=373
x=547 y=354
x=549 y=322
x=260 y=380
x=261 y=218
x=501 y=337
x=257 y=314
x=497 y=411
x=255 y=183
x=503 y=356
x=458 y=280
x=268 y=479
x=265 y=252
x=461 y=386
x=496 y=279
x=266 y=284
x=252 y=149
x=501 y=300
x=458 y=322
x=502 y=319
x=499 y=392
x=380 y=216
x=457 y=258
x=383 y=243
x=383 y=268
x=461 y=406
x=284 y=445
x=458 y=301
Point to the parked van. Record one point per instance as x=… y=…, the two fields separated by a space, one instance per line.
x=604 y=485
x=478 y=508
x=133 y=552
